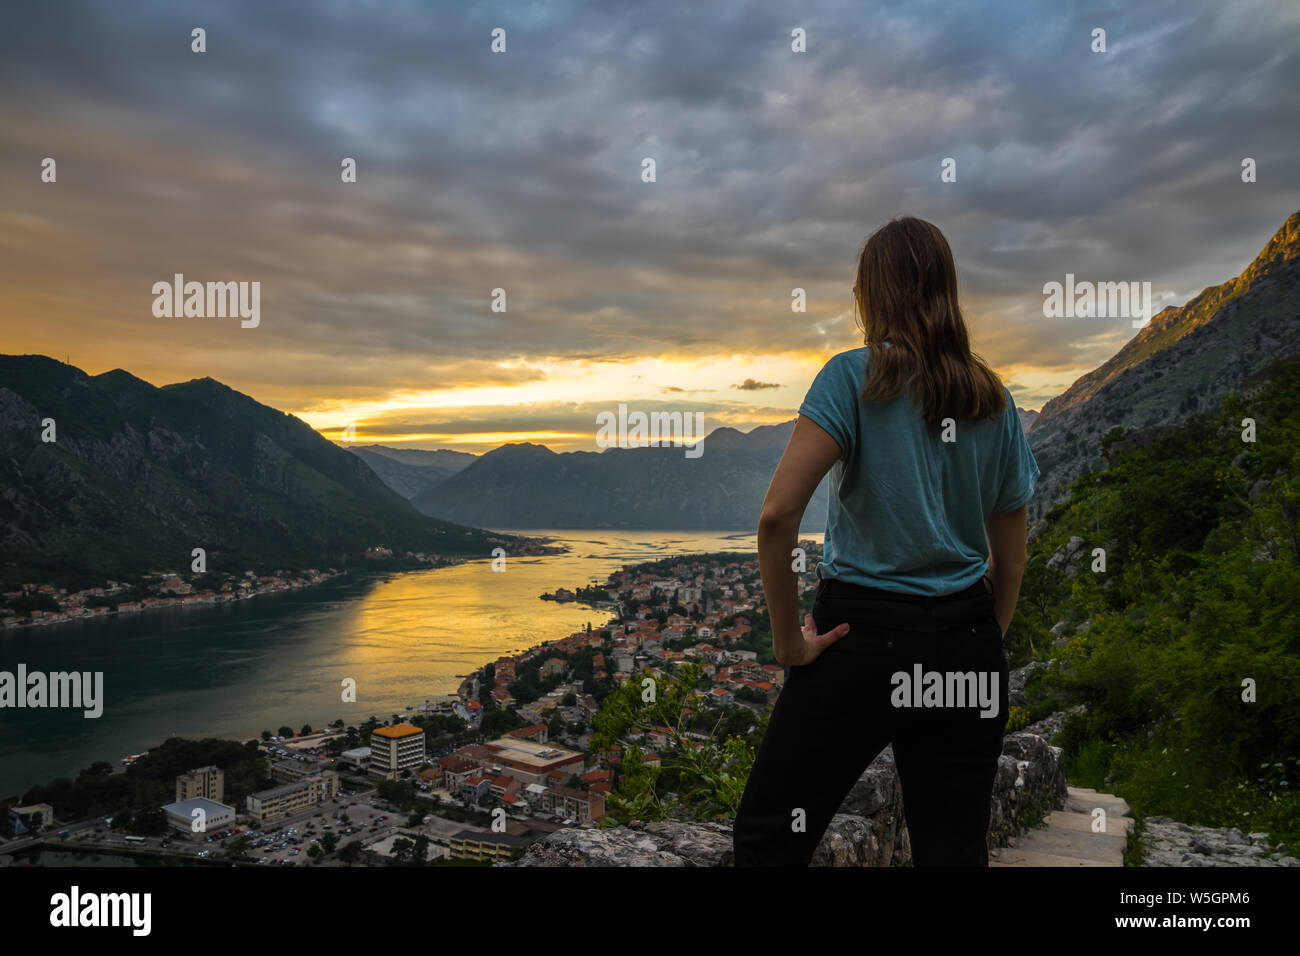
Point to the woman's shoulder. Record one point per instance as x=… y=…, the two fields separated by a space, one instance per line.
x=851 y=359
x=844 y=369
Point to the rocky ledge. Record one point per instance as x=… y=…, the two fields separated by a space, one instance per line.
x=868 y=830
x=1170 y=843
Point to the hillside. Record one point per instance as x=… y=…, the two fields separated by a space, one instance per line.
x=1155 y=586
x=1182 y=362
x=140 y=475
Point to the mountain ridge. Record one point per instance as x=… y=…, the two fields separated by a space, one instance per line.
x=138 y=475
x=525 y=485
x=1184 y=361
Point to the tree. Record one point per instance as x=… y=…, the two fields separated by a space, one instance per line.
x=709 y=775
x=306 y=729
x=420 y=851
x=497 y=721
x=314 y=851
x=402 y=848
x=285 y=731
x=350 y=852
x=397 y=792
x=329 y=842
x=267 y=735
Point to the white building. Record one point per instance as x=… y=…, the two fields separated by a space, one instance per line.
x=357 y=759
x=214 y=816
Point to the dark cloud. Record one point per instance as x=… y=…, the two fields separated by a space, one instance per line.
x=522 y=171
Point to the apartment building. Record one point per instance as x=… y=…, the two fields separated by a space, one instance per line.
x=290 y=798
x=480 y=845
x=579 y=805
x=206 y=782
x=396 y=748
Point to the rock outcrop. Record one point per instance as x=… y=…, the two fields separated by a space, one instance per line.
x=869 y=830
x=1170 y=843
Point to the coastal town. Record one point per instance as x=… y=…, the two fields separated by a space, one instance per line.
x=38 y=604
x=473 y=777
x=43 y=604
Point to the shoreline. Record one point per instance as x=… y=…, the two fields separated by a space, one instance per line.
x=533 y=547
x=551 y=549
x=55 y=618
x=462 y=691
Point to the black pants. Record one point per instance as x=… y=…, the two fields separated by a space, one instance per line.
x=835 y=715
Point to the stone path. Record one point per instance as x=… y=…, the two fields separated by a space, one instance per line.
x=1068 y=839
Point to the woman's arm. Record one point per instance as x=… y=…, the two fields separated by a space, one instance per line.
x=809 y=455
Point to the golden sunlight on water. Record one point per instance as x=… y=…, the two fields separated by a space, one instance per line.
x=235 y=670
x=416 y=632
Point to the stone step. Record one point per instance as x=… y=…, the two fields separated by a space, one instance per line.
x=1107 y=848
x=1083 y=800
x=1073 y=820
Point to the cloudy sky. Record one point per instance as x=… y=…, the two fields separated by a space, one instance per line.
x=522 y=171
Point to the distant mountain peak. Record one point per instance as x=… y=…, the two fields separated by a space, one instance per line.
x=520 y=449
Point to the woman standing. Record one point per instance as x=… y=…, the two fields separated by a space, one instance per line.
x=924 y=553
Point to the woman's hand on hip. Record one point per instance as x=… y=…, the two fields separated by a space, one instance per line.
x=809 y=645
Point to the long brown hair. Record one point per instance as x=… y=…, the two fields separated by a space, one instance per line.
x=906 y=295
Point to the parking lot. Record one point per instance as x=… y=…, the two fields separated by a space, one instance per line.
x=349 y=817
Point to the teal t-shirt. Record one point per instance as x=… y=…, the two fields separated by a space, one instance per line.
x=907 y=509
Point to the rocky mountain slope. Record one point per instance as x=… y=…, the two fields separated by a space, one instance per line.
x=1182 y=362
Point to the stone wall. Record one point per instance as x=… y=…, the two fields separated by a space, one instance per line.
x=868 y=830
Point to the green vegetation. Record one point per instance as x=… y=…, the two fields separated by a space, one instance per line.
x=1198 y=609
x=697 y=778
x=133 y=799
x=593 y=595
